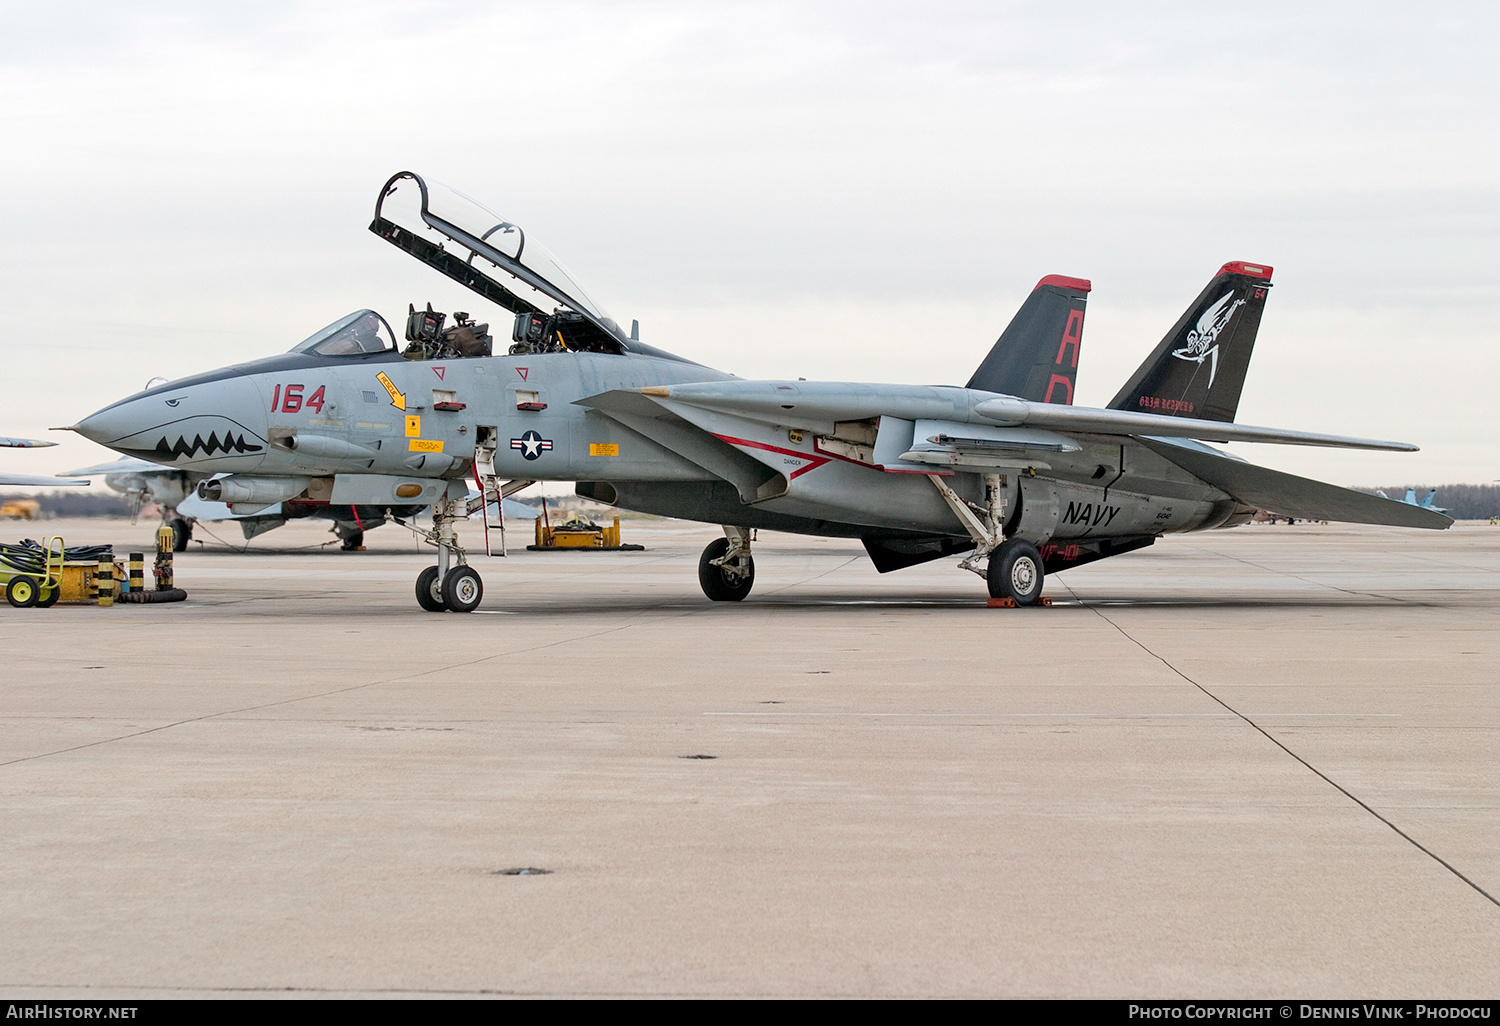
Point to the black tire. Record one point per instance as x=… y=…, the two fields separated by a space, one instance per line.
x=462 y=589
x=49 y=598
x=182 y=533
x=354 y=542
x=718 y=585
x=429 y=595
x=1016 y=572
x=21 y=592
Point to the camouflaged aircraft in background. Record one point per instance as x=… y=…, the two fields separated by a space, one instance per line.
x=1004 y=468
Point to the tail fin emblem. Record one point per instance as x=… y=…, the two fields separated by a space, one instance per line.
x=1203 y=341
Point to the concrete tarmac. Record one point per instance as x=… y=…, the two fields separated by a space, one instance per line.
x=1251 y=763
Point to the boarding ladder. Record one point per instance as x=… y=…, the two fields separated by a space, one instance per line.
x=491 y=491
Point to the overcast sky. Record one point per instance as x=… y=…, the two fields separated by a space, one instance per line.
x=856 y=191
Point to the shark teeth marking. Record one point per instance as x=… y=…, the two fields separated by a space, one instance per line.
x=182 y=447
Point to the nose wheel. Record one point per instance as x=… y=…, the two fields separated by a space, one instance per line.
x=459 y=590
x=430 y=590
x=452 y=584
x=462 y=589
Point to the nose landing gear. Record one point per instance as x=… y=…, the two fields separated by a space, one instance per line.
x=452 y=584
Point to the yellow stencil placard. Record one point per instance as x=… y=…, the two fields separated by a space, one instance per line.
x=398 y=398
x=413 y=426
x=424 y=445
x=604 y=448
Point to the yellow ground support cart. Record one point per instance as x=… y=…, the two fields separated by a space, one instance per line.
x=33 y=575
x=578 y=532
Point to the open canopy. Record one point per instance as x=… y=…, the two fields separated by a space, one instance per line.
x=468 y=242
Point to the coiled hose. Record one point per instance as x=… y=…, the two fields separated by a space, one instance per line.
x=30 y=558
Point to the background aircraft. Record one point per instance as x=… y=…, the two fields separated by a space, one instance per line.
x=1027 y=486
x=174 y=492
x=32 y=481
x=1411 y=500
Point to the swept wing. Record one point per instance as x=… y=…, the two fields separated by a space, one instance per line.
x=751 y=435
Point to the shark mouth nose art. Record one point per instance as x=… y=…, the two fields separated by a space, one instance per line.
x=230 y=444
x=137 y=429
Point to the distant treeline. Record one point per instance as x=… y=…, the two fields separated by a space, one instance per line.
x=1463 y=501
x=77 y=504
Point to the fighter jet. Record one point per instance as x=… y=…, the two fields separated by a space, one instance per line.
x=31 y=481
x=1024 y=486
x=174 y=491
x=1411 y=499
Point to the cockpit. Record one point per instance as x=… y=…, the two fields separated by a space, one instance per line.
x=363 y=331
x=429 y=337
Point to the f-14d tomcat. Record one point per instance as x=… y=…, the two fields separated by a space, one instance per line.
x=1024 y=485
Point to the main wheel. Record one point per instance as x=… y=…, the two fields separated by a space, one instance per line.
x=462 y=589
x=49 y=598
x=718 y=583
x=429 y=591
x=1016 y=572
x=21 y=592
x=354 y=542
x=182 y=533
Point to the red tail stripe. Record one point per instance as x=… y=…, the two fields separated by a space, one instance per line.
x=1240 y=267
x=1081 y=284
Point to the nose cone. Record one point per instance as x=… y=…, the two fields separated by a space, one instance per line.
x=210 y=426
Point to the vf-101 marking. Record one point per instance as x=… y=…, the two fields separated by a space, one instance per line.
x=1004 y=468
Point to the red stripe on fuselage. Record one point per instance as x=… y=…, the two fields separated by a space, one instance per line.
x=814 y=462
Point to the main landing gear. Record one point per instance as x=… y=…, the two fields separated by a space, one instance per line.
x=182 y=533
x=726 y=569
x=1015 y=572
x=1011 y=567
x=351 y=536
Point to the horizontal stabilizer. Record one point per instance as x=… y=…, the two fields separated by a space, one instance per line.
x=1294 y=496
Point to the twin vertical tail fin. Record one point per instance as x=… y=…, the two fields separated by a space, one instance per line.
x=1198 y=370
x=1036 y=357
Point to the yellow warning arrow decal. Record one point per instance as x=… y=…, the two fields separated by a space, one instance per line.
x=398 y=398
